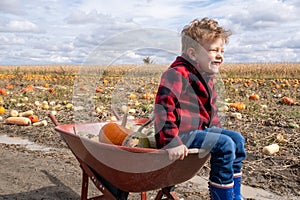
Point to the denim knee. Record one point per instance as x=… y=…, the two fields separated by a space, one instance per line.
x=225 y=146
x=240 y=152
x=222 y=158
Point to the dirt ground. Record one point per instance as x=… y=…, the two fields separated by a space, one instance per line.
x=27 y=174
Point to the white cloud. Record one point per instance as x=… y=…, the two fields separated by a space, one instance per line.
x=20 y=26
x=11 y=40
x=146 y=13
x=116 y=46
x=69 y=31
x=93 y=17
x=52 y=59
x=11 y=6
x=262 y=14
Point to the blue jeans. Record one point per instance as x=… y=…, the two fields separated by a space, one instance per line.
x=226 y=148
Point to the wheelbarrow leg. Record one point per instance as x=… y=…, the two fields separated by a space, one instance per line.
x=168 y=192
x=159 y=195
x=88 y=173
x=84 y=187
x=143 y=196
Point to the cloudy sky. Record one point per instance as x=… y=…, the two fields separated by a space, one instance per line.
x=112 y=31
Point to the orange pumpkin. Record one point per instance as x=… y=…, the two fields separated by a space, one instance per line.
x=112 y=133
x=238 y=106
x=98 y=90
x=3 y=91
x=30 y=88
x=287 y=100
x=254 y=97
x=34 y=118
x=51 y=90
x=132 y=96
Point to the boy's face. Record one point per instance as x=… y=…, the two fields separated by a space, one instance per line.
x=209 y=56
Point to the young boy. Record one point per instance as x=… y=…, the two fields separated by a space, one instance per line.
x=186 y=112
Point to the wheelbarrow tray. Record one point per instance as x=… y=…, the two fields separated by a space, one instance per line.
x=129 y=169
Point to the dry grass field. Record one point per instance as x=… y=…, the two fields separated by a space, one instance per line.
x=239 y=70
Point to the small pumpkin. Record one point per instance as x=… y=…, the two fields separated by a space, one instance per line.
x=51 y=90
x=112 y=133
x=287 y=100
x=33 y=118
x=238 y=106
x=3 y=91
x=99 y=90
x=2 y=110
x=254 y=97
x=136 y=139
x=30 y=88
x=132 y=96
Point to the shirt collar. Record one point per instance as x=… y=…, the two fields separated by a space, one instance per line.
x=195 y=66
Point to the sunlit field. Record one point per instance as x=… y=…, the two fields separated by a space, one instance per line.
x=261 y=100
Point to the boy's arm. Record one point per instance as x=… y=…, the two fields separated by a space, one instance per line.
x=178 y=152
x=166 y=110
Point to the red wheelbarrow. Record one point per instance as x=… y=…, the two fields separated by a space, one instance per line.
x=119 y=170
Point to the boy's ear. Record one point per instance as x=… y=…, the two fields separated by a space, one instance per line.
x=191 y=53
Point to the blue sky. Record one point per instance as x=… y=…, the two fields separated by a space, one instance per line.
x=78 y=31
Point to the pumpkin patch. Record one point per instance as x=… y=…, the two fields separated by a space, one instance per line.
x=259 y=118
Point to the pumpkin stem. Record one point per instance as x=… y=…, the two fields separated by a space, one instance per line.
x=150 y=120
x=116 y=114
x=124 y=120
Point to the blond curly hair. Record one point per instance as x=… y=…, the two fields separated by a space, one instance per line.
x=199 y=31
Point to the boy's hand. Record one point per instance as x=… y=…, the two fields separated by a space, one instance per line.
x=178 y=152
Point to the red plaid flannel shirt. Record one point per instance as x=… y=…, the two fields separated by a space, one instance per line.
x=185 y=101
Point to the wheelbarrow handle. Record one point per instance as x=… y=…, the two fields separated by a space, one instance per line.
x=53 y=119
x=195 y=151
